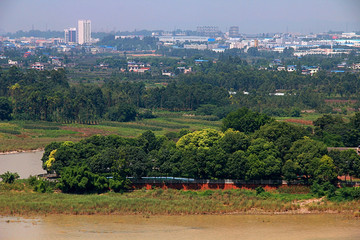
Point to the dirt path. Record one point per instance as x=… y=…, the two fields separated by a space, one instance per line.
x=304 y=204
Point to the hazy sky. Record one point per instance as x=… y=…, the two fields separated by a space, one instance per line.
x=252 y=16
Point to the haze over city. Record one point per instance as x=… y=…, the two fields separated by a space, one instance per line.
x=251 y=16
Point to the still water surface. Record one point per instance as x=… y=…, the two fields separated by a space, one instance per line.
x=244 y=227
x=25 y=164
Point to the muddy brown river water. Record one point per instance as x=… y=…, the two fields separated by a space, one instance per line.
x=25 y=164
x=244 y=227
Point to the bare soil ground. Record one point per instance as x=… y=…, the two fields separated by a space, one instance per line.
x=300 y=121
x=304 y=204
x=86 y=132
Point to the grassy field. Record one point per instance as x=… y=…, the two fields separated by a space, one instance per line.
x=312 y=117
x=19 y=199
x=305 y=117
x=28 y=135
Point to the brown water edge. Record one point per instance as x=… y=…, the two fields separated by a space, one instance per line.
x=244 y=227
x=25 y=163
x=22 y=151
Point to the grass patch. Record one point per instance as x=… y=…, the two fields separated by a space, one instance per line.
x=21 y=200
x=10 y=131
x=27 y=135
x=28 y=126
x=136 y=125
x=165 y=124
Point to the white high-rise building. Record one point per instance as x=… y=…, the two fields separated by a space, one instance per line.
x=84 y=31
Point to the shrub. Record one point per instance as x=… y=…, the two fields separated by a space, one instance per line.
x=147 y=114
x=172 y=135
x=259 y=190
x=5 y=109
x=40 y=185
x=323 y=189
x=115 y=186
x=9 y=177
x=122 y=113
x=348 y=193
x=81 y=180
x=356 y=193
x=32 y=180
x=294 y=189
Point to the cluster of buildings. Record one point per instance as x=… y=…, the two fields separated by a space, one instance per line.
x=137 y=67
x=204 y=38
x=141 y=67
x=210 y=38
x=81 y=35
x=72 y=38
x=306 y=70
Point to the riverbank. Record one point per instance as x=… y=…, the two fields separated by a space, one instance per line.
x=22 y=151
x=19 y=200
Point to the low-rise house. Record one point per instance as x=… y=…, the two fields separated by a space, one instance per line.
x=56 y=61
x=38 y=66
x=309 y=70
x=184 y=70
x=291 y=68
x=143 y=69
x=133 y=67
x=356 y=66
x=277 y=94
x=167 y=73
x=138 y=67
x=13 y=63
x=200 y=61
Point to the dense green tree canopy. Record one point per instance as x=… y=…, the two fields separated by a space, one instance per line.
x=303 y=158
x=5 y=109
x=245 y=120
x=282 y=134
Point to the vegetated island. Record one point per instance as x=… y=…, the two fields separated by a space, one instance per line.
x=97 y=175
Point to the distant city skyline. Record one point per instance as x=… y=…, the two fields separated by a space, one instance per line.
x=259 y=16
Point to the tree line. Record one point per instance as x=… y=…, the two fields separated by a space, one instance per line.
x=47 y=95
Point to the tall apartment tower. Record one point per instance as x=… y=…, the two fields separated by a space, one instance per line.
x=70 y=35
x=234 y=31
x=84 y=31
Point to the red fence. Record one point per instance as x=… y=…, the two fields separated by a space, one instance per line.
x=203 y=184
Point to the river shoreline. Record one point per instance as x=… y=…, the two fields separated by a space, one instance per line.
x=22 y=151
x=145 y=215
x=236 y=213
x=21 y=200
